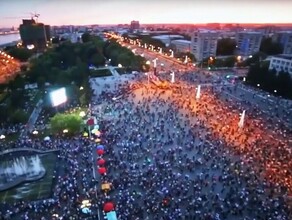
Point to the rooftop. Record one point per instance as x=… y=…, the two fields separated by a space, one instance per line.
x=283 y=56
x=182 y=41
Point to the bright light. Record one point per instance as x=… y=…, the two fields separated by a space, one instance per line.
x=65 y=131
x=250 y=56
x=30 y=47
x=58 y=97
x=120 y=65
x=35 y=132
x=82 y=114
x=244 y=79
x=148 y=62
x=81 y=88
x=258 y=85
x=275 y=91
x=2 y=136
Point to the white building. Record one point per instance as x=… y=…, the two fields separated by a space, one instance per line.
x=248 y=42
x=285 y=39
x=204 y=44
x=181 y=45
x=281 y=63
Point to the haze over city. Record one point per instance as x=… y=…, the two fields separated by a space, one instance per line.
x=86 y=12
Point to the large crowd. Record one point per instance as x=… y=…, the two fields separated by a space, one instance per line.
x=171 y=156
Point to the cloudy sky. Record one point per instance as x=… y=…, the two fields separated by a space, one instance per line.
x=58 y=12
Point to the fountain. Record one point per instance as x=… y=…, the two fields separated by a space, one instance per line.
x=198 y=95
x=241 y=121
x=19 y=170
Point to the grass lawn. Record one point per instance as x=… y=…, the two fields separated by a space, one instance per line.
x=11 y=137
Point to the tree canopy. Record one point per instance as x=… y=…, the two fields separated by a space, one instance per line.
x=269 y=80
x=226 y=46
x=269 y=47
x=70 y=122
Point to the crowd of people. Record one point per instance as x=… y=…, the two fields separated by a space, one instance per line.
x=9 y=67
x=170 y=156
x=181 y=158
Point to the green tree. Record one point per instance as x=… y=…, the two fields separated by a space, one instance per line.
x=226 y=46
x=86 y=37
x=18 y=116
x=22 y=54
x=71 y=122
x=269 y=47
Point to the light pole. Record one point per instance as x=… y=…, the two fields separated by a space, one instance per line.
x=172 y=77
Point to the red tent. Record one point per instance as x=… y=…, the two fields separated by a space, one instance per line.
x=100 y=162
x=102 y=170
x=90 y=122
x=100 y=152
x=108 y=207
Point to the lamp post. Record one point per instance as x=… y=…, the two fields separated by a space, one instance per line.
x=172 y=77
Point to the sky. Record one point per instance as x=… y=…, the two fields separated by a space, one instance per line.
x=83 y=12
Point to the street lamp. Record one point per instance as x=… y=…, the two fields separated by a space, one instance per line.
x=258 y=85
x=172 y=77
x=275 y=91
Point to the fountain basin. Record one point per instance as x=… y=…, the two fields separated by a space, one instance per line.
x=21 y=179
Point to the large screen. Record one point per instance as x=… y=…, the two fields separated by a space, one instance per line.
x=58 y=97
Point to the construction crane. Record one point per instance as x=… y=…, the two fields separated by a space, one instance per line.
x=35 y=16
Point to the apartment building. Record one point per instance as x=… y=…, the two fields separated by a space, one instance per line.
x=204 y=44
x=248 y=42
x=285 y=39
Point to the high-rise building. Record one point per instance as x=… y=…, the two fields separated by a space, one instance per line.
x=135 y=25
x=248 y=42
x=204 y=44
x=285 y=39
x=36 y=34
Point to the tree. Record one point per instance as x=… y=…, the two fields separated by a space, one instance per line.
x=86 y=37
x=22 y=54
x=269 y=47
x=71 y=122
x=226 y=46
x=18 y=116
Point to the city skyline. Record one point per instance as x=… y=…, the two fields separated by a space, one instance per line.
x=86 y=12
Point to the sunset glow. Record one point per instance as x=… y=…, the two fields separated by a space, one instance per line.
x=84 y=12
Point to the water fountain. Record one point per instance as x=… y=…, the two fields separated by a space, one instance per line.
x=19 y=170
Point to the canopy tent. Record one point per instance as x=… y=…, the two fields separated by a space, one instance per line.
x=100 y=152
x=111 y=215
x=102 y=170
x=100 y=147
x=47 y=138
x=108 y=207
x=100 y=162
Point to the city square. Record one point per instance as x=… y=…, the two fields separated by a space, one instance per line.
x=152 y=119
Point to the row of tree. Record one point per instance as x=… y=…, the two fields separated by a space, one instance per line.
x=279 y=83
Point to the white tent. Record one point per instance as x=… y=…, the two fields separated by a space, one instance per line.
x=47 y=138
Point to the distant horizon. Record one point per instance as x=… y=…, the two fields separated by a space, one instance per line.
x=143 y=24
x=114 y=12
